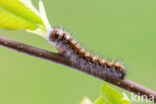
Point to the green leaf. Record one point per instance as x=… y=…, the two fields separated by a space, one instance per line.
x=100 y=100
x=15 y=15
x=111 y=96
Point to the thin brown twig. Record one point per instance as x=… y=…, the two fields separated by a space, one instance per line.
x=59 y=59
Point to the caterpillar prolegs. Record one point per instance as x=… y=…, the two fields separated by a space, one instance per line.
x=89 y=63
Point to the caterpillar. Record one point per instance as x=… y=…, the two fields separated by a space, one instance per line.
x=87 y=62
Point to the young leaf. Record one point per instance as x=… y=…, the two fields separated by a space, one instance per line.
x=15 y=15
x=86 y=101
x=110 y=96
x=100 y=100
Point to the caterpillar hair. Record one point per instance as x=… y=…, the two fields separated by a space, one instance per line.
x=87 y=62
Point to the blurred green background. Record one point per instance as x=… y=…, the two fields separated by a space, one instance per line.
x=121 y=30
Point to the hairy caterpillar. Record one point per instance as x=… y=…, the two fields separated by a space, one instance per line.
x=87 y=61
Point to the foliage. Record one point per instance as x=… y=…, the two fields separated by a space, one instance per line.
x=108 y=96
x=21 y=14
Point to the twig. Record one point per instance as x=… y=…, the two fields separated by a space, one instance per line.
x=57 y=58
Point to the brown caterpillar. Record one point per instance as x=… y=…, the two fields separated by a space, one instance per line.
x=85 y=60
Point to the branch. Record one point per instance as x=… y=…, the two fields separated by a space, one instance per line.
x=59 y=59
